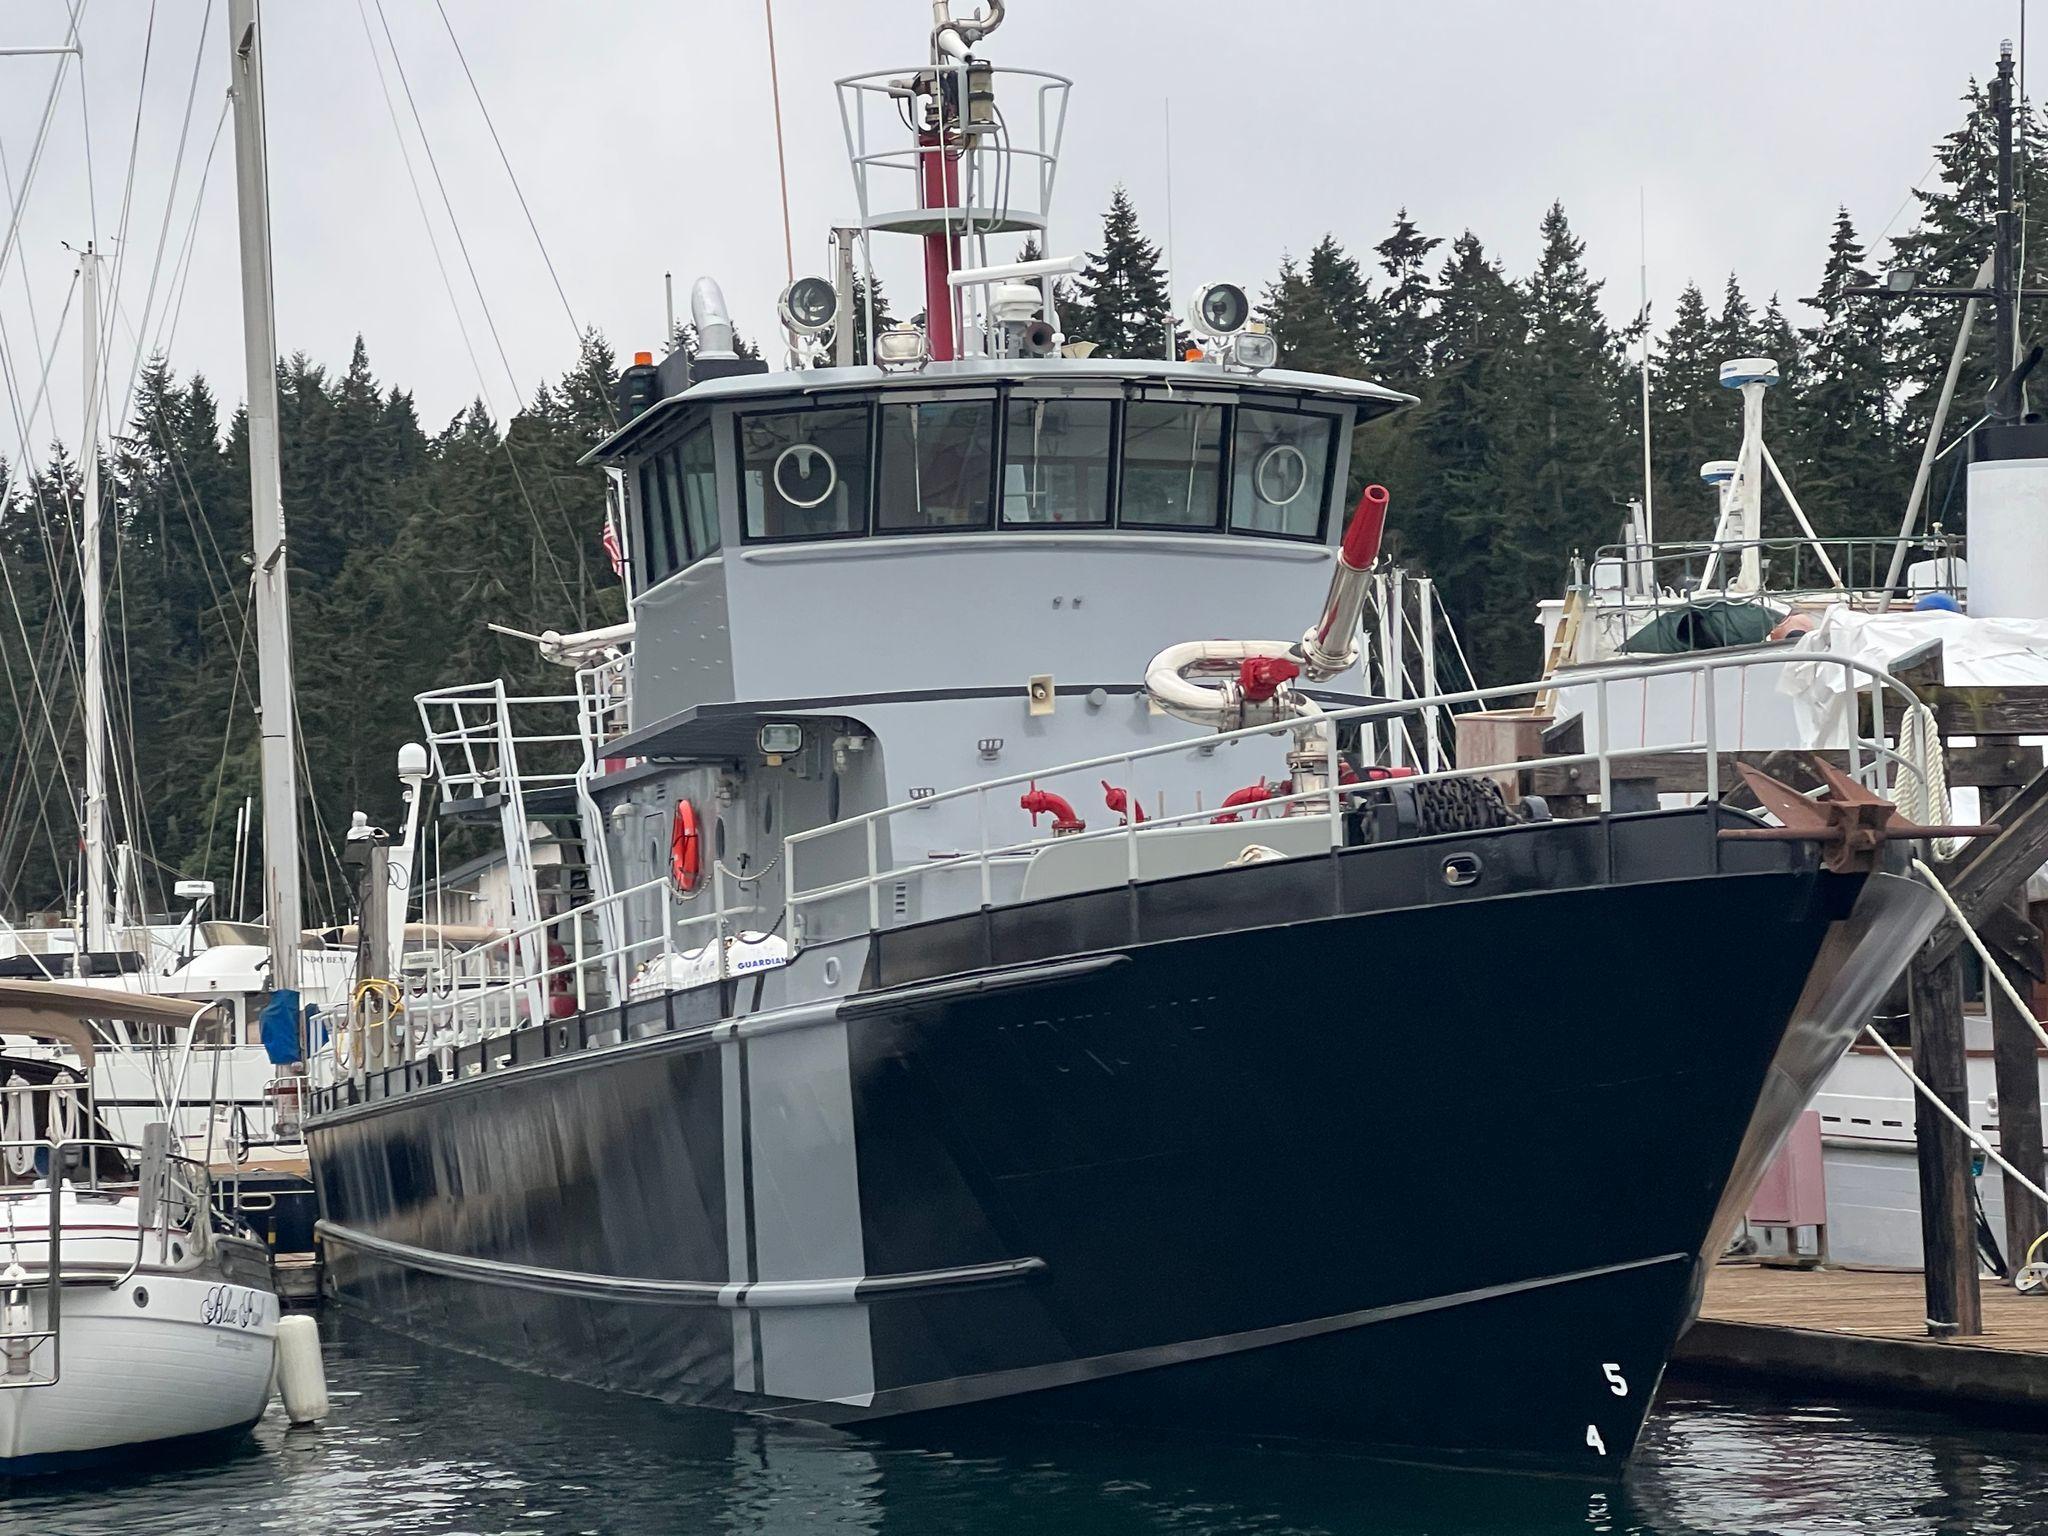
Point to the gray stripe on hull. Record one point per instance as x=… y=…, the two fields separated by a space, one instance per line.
x=1062 y=1373
x=764 y=1294
x=805 y=1213
x=745 y=1374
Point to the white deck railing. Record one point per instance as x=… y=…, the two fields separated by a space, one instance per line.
x=1871 y=762
x=526 y=976
x=472 y=995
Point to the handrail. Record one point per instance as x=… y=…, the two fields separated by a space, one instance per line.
x=1662 y=561
x=487 y=992
x=194 y=1202
x=1868 y=758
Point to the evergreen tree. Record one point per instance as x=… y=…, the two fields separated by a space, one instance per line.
x=1120 y=301
x=1949 y=243
x=1336 y=276
x=1400 y=331
x=1310 y=336
x=1847 y=443
x=1568 y=454
x=1692 y=419
x=863 y=287
x=1461 y=431
x=1734 y=331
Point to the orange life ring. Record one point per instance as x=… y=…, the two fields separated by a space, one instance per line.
x=685 y=848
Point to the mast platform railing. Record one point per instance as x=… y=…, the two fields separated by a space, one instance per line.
x=1655 y=578
x=483 y=741
x=986 y=872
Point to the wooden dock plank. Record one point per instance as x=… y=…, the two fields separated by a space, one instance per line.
x=1886 y=1304
x=1863 y=1333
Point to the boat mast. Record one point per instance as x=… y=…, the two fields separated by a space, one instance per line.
x=273 y=614
x=97 y=939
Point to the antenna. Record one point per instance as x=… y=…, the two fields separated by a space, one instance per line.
x=1643 y=319
x=781 y=165
x=1168 y=342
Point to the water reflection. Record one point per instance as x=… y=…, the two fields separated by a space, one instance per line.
x=424 y=1441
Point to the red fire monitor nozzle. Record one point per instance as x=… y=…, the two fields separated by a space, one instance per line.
x=1368 y=523
x=1331 y=644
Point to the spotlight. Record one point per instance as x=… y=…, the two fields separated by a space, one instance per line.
x=808 y=306
x=1220 y=309
x=902 y=346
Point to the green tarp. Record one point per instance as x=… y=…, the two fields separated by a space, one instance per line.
x=1704 y=626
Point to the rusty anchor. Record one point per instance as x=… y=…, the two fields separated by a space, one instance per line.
x=1850 y=822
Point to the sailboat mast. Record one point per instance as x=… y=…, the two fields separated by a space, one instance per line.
x=272 y=608
x=97 y=938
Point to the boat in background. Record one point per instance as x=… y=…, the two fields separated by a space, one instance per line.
x=134 y=1315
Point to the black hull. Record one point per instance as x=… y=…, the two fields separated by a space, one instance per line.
x=1435 y=1180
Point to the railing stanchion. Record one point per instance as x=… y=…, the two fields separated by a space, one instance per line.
x=988 y=898
x=1600 y=747
x=576 y=948
x=1709 y=716
x=1332 y=794
x=1124 y=767
x=668 y=935
x=718 y=920
x=874 y=880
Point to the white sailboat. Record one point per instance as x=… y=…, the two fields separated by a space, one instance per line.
x=132 y=1312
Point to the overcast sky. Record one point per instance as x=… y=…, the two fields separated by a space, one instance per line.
x=643 y=136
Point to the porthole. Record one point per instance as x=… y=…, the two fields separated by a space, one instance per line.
x=1281 y=475
x=768 y=816
x=831 y=970
x=718 y=837
x=805 y=475
x=142 y=1295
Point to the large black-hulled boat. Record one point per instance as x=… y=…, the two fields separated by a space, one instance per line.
x=849 y=1095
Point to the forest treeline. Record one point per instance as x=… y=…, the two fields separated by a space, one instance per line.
x=405 y=542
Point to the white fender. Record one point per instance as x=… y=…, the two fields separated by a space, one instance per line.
x=301 y=1375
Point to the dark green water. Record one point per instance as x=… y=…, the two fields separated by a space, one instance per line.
x=426 y=1441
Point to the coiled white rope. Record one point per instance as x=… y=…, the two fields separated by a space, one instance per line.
x=18 y=1125
x=66 y=1114
x=1924 y=795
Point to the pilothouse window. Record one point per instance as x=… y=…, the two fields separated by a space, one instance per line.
x=700 y=492
x=937 y=465
x=1280 y=474
x=1056 y=461
x=1173 y=464
x=663 y=545
x=804 y=474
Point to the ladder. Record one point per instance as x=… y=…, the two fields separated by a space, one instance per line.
x=1564 y=646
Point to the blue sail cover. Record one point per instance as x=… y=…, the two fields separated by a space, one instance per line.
x=281 y=1028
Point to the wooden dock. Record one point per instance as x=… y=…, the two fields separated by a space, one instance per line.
x=1863 y=1333
x=297 y=1276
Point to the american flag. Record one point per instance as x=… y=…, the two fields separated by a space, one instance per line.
x=611 y=544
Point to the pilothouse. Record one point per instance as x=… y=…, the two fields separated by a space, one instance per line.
x=1023 y=967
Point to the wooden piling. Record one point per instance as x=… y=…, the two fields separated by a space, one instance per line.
x=2015 y=1062
x=1947 y=1223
